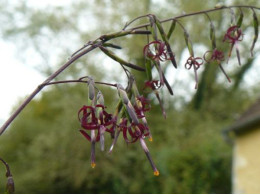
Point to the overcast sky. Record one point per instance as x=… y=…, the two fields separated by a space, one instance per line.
x=24 y=78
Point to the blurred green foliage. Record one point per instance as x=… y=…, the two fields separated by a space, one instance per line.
x=47 y=154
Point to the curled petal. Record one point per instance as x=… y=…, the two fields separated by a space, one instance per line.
x=195 y=63
x=233 y=34
x=157 y=51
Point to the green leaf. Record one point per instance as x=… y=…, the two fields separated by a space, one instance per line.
x=212 y=36
x=240 y=19
x=153 y=27
x=188 y=43
x=148 y=68
x=256 y=24
x=120 y=60
x=172 y=27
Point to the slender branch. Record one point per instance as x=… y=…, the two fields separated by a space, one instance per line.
x=98 y=43
x=48 y=80
x=76 y=81
x=197 y=13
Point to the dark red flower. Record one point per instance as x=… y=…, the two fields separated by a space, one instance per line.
x=154 y=84
x=142 y=105
x=217 y=56
x=233 y=36
x=96 y=119
x=89 y=120
x=156 y=50
x=195 y=63
x=134 y=131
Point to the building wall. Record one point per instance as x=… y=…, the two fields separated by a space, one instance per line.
x=246 y=163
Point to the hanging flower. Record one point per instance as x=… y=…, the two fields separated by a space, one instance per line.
x=233 y=36
x=142 y=105
x=195 y=63
x=217 y=56
x=133 y=133
x=89 y=121
x=101 y=123
x=157 y=51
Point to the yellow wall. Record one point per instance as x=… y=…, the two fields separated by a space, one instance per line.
x=246 y=163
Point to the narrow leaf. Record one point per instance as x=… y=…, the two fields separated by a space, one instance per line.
x=172 y=27
x=153 y=27
x=112 y=45
x=120 y=60
x=212 y=36
x=240 y=19
x=148 y=68
x=167 y=85
x=256 y=23
x=188 y=43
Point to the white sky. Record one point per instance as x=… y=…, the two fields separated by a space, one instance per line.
x=24 y=78
x=16 y=79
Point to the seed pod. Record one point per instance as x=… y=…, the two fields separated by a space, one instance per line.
x=122 y=94
x=255 y=22
x=100 y=98
x=91 y=89
x=127 y=103
x=172 y=27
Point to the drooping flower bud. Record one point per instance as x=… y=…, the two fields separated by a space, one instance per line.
x=10 y=185
x=91 y=89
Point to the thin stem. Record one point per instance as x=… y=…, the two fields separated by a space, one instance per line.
x=208 y=17
x=8 y=172
x=77 y=81
x=48 y=80
x=129 y=23
x=197 y=13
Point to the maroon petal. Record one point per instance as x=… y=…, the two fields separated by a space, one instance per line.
x=85 y=135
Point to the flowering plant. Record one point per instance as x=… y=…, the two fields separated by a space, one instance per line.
x=129 y=117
